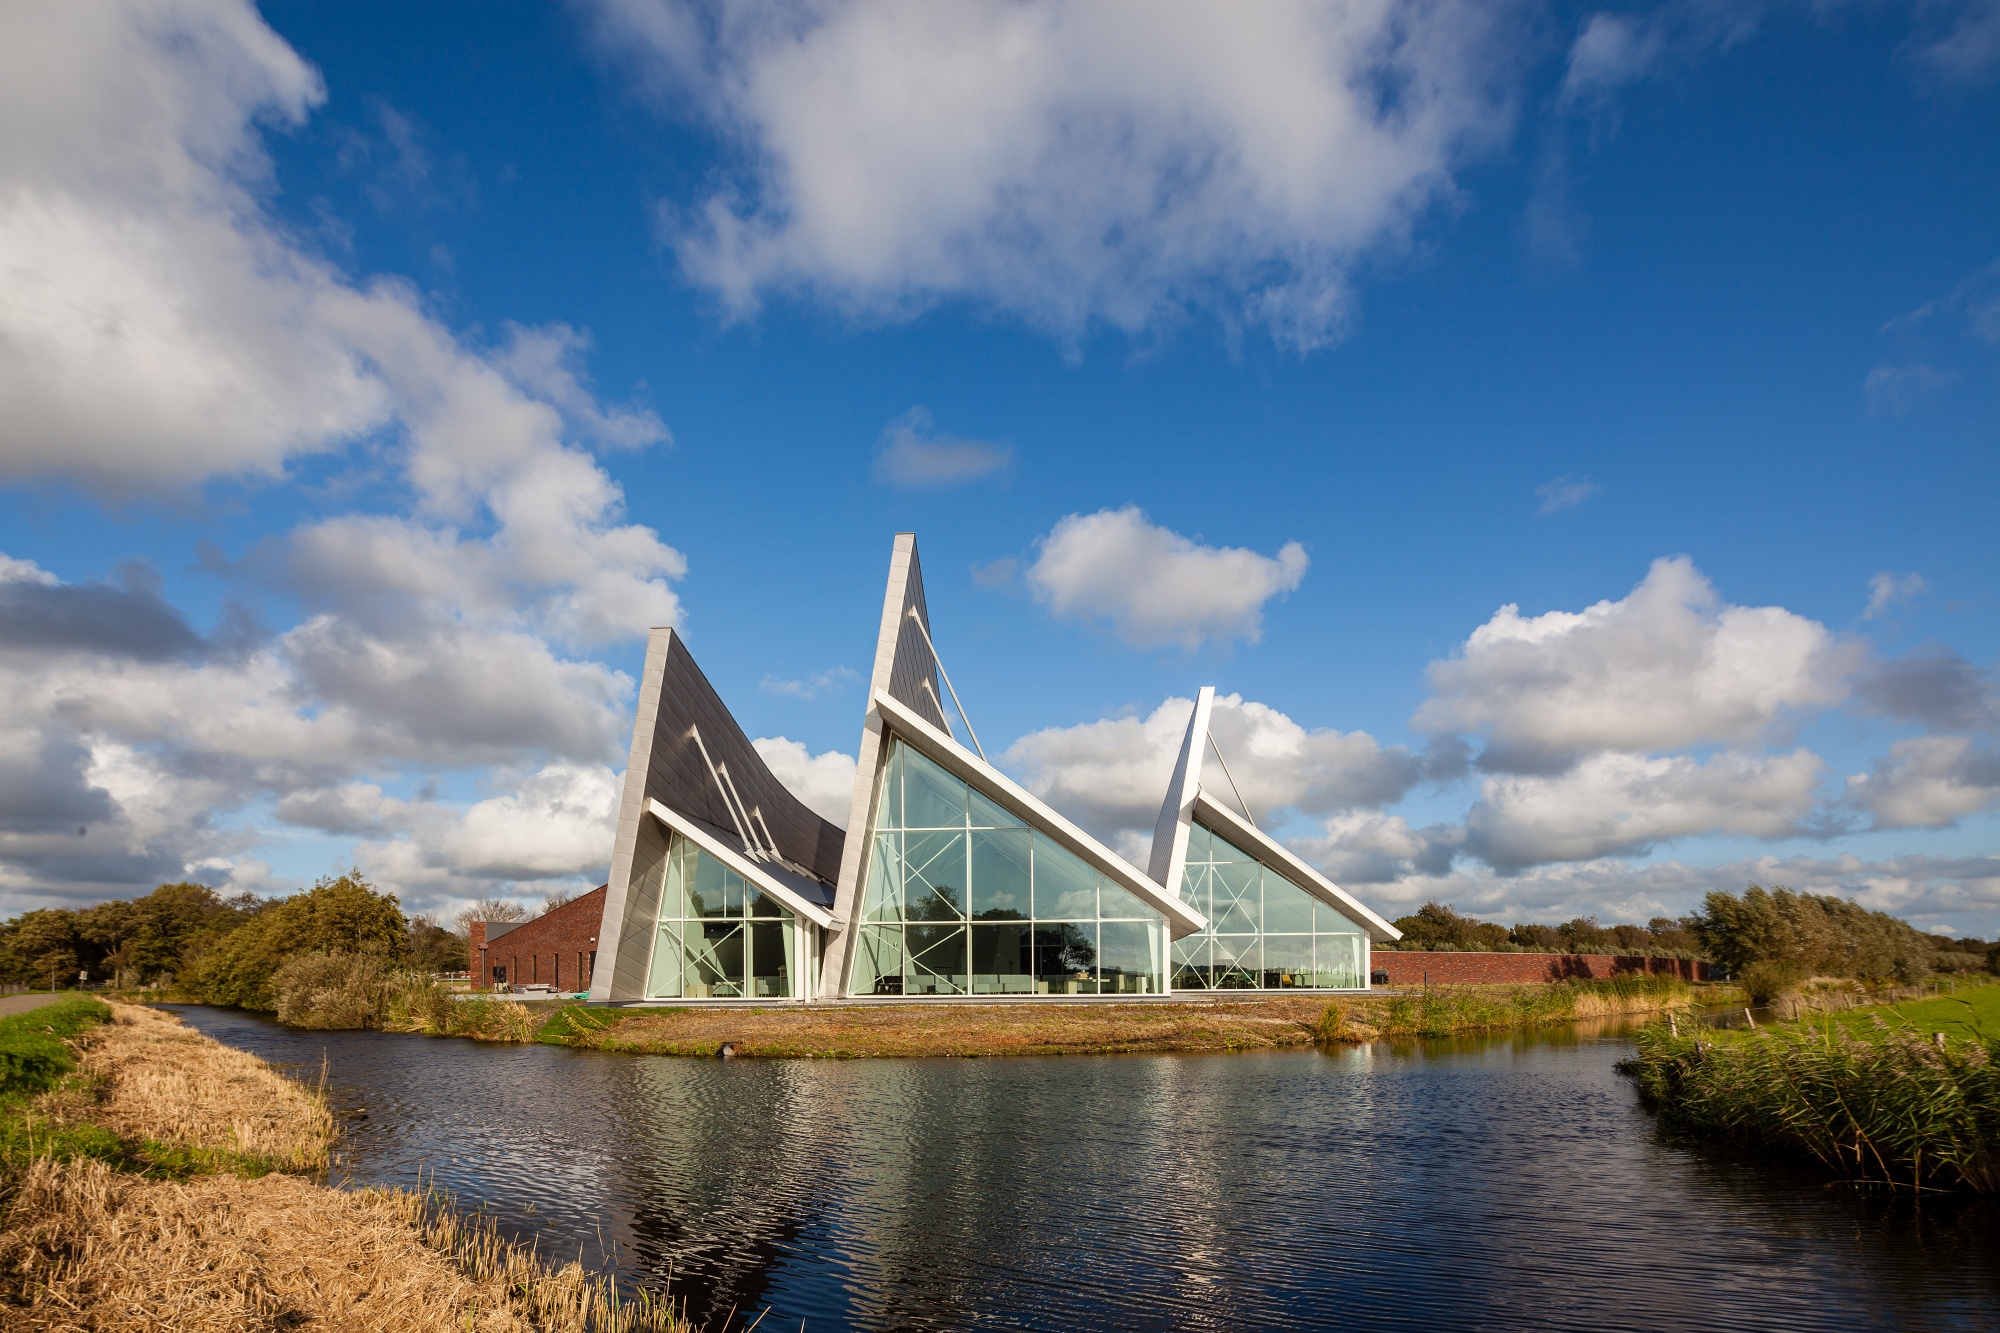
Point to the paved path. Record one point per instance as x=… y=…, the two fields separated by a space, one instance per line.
x=21 y=1004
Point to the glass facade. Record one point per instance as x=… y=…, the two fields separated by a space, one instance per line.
x=962 y=898
x=1264 y=932
x=719 y=937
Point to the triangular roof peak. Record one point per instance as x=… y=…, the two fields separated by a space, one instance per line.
x=1187 y=804
x=996 y=786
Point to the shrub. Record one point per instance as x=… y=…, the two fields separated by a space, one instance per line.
x=338 y=990
x=1765 y=981
x=436 y=949
x=335 y=916
x=419 y=1004
x=1435 y=926
x=1824 y=936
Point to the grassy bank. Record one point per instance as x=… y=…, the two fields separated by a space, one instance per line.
x=863 y=1031
x=153 y=1178
x=1870 y=1094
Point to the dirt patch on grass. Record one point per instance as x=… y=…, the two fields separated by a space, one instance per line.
x=858 y=1031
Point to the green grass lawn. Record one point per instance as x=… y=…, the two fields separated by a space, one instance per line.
x=32 y=1053
x=1973 y=1012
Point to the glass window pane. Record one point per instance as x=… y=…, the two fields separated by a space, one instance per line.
x=986 y=813
x=1128 y=957
x=1288 y=961
x=1065 y=958
x=1238 y=963
x=1337 y=961
x=1000 y=879
x=1235 y=891
x=934 y=876
x=714 y=960
x=889 y=791
x=1115 y=902
x=1198 y=840
x=1191 y=963
x=706 y=884
x=759 y=903
x=1194 y=886
x=932 y=798
x=656 y=872
x=935 y=961
x=1224 y=852
x=663 y=979
x=770 y=959
x=878 y=961
x=884 y=899
x=1065 y=888
x=1288 y=909
x=1329 y=922
x=1003 y=959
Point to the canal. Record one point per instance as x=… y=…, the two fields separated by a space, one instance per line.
x=1503 y=1182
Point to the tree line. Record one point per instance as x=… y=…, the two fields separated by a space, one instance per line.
x=226 y=949
x=1808 y=933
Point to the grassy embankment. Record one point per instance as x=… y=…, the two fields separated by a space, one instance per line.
x=152 y=1178
x=860 y=1031
x=1871 y=1094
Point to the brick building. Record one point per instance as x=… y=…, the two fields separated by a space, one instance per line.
x=557 y=948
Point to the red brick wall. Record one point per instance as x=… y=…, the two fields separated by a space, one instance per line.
x=1408 y=969
x=555 y=949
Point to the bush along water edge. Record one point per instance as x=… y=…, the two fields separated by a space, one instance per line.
x=1890 y=1107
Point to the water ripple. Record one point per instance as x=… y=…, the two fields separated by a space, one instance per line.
x=1499 y=1183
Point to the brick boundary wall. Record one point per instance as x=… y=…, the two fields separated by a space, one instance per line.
x=1408 y=969
x=555 y=949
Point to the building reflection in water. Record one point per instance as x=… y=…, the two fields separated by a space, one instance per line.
x=1508 y=1182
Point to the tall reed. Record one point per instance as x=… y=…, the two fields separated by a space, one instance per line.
x=1892 y=1108
x=1440 y=1011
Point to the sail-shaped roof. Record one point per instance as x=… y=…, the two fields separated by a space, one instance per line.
x=1187 y=803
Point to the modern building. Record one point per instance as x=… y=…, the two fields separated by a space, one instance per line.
x=954 y=881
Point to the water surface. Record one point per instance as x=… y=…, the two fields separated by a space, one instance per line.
x=1504 y=1182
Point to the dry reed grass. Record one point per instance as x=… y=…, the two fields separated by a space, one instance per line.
x=970 y=1029
x=857 y=1031
x=92 y=1249
x=89 y=1248
x=162 y=1080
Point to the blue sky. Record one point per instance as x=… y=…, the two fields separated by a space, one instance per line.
x=373 y=377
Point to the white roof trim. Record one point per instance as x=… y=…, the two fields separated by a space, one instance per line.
x=738 y=862
x=1280 y=858
x=1182 y=920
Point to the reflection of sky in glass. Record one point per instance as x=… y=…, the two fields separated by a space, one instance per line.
x=1504 y=1182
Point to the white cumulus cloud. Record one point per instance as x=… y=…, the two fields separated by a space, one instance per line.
x=1669 y=666
x=1928 y=782
x=1071 y=162
x=825 y=782
x=1154 y=587
x=1614 y=804
x=160 y=329
x=1111 y=775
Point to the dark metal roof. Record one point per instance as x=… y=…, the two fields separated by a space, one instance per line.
x=678 y=776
